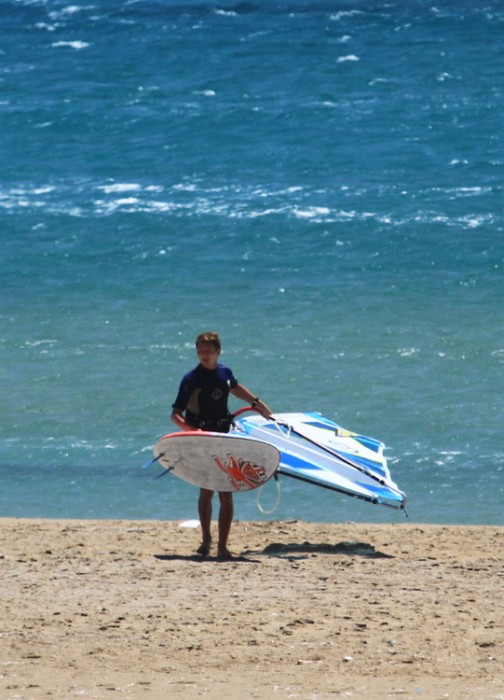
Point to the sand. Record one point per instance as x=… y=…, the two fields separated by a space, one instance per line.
x=105 y=609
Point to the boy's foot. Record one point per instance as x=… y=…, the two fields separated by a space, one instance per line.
x=224 y=555
x=204 y=549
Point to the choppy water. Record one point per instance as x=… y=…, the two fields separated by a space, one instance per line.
x=319 y=182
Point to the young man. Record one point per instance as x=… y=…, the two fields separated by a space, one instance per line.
x=202 y=403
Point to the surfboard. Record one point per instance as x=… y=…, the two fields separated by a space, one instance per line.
x=218 y=461
x=317 y=450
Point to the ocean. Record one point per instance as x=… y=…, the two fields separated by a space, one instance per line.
x=320 y=182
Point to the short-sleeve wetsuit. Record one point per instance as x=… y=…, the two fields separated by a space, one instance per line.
x=203 y=396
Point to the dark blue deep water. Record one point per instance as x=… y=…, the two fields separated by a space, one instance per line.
x=321 y=182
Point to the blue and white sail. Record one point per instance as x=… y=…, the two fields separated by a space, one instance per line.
x=319 y=451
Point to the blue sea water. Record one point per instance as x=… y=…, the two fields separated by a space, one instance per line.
x=321 y=182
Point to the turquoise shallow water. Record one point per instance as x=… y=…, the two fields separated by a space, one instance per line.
x=320 y=182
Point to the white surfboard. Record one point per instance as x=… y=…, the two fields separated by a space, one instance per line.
x=218 y=461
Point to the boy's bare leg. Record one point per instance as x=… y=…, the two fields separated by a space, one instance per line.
x=225 y=519
x=205 y=515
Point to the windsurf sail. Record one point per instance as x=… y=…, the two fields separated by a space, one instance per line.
x=317 y=450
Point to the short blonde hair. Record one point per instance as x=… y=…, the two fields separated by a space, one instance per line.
x=209 y=337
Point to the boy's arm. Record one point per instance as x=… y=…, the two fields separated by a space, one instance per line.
x=241 y=392
x=177 y=417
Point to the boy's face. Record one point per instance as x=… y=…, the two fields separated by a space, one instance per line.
x=208 y=355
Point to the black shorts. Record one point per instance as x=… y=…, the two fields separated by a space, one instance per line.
x=221 y=425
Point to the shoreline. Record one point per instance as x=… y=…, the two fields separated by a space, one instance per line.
x=305 y=610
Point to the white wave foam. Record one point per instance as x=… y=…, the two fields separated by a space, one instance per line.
x=350 y=57
x=36 y=343
x=408 y=352
x=336 y=16
x=49 y=27
x=185 y=187
x=311 y=212
x=225 y=13
x=135 y=204
x=120 y=187
x=78 y=45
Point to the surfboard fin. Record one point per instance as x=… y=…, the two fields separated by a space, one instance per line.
x=166 y=471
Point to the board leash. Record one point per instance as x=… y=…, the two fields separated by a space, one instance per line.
x=263 y=510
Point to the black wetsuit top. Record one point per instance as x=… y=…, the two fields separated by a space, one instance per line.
x=203 y=396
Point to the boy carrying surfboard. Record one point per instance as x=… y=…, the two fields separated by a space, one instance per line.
x=202 y=403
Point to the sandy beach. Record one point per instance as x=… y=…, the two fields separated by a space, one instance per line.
x=104 y=609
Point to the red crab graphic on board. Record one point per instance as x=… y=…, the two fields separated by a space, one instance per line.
x=242 y=473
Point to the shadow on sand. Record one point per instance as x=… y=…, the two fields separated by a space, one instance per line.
x=288 y=551
x=306 y=549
